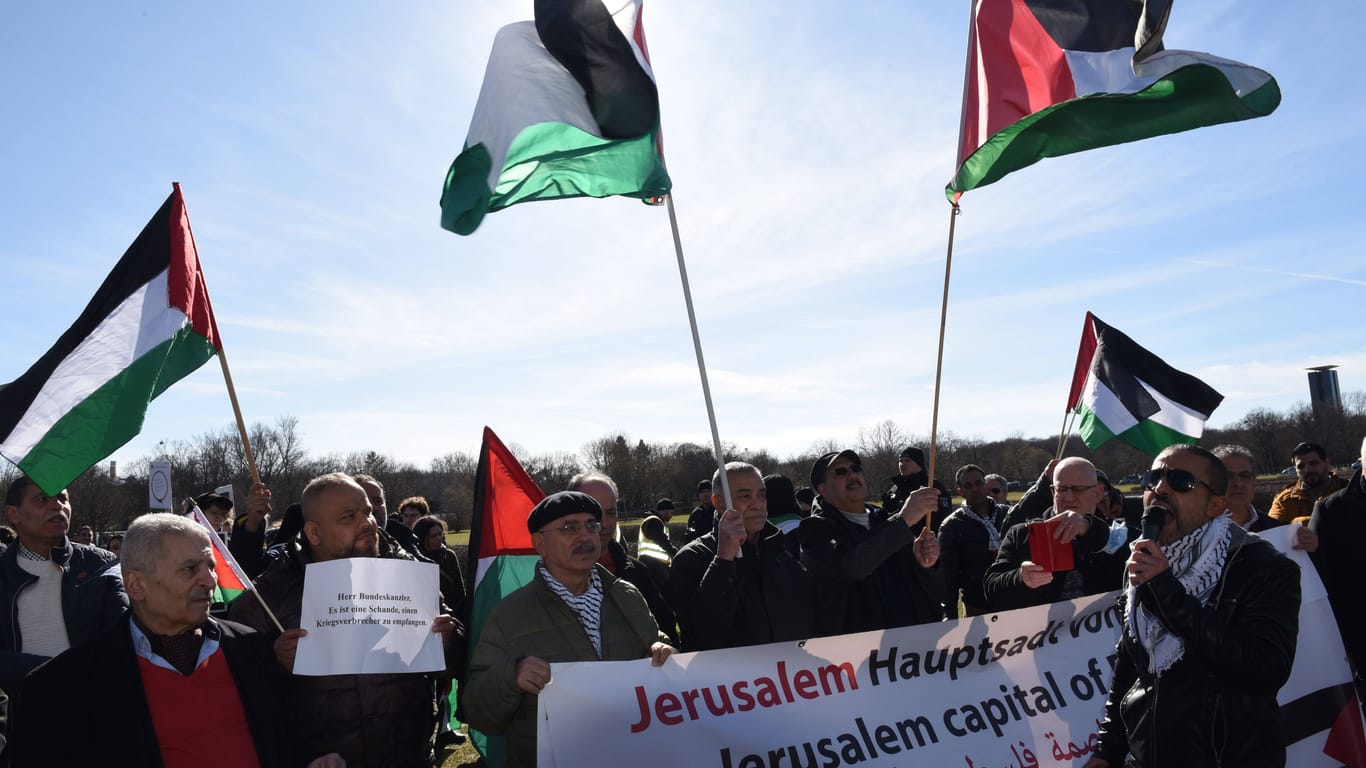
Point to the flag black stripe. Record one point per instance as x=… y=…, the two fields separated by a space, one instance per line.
x=147 y=257
x=1121 y=351
x=581 y=35
x=1313 y=712
x=1088 y=25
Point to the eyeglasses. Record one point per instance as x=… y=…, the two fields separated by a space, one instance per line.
x=1178 y=480
x=1072 y=489
x=842 y=471
x=574 y=528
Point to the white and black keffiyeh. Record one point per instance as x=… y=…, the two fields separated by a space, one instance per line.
x=588 y=606
x=993 y=535
x=1197 y=561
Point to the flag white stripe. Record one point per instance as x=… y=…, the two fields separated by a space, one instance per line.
x=1117 y=418
x=523 y=86
x=139 y=323
x=1095 y=72
x=1174 y=415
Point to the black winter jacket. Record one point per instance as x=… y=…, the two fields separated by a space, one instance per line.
x=1340 y=521
x=635 y=573
x=1217 y=704
x=92 y=600
x=1004 y=588
x=88 y=706
x=373 y=720
x=763 y=596
x=868 y=578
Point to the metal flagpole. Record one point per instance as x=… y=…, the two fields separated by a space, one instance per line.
x=697 y=347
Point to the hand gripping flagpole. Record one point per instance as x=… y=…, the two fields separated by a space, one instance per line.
x=697 y=347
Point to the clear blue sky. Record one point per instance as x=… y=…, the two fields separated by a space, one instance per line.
x=809 y=151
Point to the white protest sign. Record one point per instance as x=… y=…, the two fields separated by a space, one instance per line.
x=159 y=485
x=1019 y=689
x=1022 y=688
x=369 y=615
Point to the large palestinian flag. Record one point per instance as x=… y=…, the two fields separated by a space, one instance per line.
x=149 y=325
x=501 y=556
x=568 y=108
x=1051 y=77
x=1122 y=390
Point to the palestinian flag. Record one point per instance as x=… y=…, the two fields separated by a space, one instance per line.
x=1046 y=78
x=501 y=555
x=568 y=108
x=149 y=325
x=1122 y=390
x=232 y=581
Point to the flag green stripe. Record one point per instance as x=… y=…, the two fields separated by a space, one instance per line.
x=505 y=574
x=113 y=414
x=1147 y=436
x=1190 y=97
x=555 y=160
x=550 y=161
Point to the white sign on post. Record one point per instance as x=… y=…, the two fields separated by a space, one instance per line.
x=159 y=485
x=368 y=615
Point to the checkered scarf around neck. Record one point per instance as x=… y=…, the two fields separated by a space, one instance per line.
x=588 y=606
x=993 y=535
x=1197 y=561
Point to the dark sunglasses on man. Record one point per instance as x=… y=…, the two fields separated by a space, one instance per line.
x=1178 y=480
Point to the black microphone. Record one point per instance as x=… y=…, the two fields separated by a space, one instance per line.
x=1154 y=517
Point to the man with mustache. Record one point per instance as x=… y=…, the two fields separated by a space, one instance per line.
x=1211 y=617
x=54 y=593
x=572 y=610
x=375 y=719
x=157 y=672
x=871 y=569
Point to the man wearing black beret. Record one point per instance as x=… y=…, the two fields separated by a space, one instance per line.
x=573 y=610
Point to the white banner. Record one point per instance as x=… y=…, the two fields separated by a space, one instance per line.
x=1017 y=689
x=369 y=615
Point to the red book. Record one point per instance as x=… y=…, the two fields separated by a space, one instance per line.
x=1047 y=551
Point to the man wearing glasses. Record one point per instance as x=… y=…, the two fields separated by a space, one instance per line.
x=871 y=569
x=1016 y=579
x=996 y=489
x=1210 y=623
x=573 y=610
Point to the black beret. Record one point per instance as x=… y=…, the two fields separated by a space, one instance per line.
x=557 y=505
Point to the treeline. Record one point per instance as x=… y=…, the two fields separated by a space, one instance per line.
x=645 y=471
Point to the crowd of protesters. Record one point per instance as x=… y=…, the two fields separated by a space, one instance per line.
x=1210 y=608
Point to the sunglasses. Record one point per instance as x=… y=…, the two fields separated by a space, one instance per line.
x=1178 y=480
x=842 y=471
x=993 y=490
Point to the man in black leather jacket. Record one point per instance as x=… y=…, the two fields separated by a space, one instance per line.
x=1211 y=620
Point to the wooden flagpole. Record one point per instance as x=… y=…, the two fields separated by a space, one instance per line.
x=939 y=360
x=697 y=348
x=227 y=377
x=241 y=425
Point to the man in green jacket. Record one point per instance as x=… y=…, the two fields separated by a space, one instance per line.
x=573 y=610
